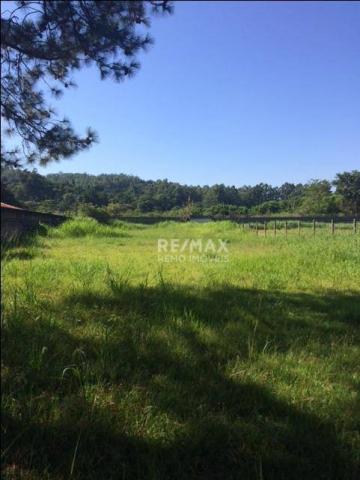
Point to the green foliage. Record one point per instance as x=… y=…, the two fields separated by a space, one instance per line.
x=116 y=366
x=348 y=187
x=7 y=196
x=83 y=227
x=267 y=208
x=319 y=199
x=27 y=186
x=97 y=213
x=42 y=45
x=110 y=196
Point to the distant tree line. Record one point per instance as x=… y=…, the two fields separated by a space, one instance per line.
x=106 y=196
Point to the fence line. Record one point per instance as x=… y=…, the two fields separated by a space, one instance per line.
x=314 y=225
x=240 y=219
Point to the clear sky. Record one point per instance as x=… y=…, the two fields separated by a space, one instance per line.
x=231 y=92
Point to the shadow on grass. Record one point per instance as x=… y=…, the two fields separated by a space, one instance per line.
x=274 y=314
x=25 y=247
x=18 y=254
x=188 y=418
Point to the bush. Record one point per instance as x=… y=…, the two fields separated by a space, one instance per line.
x=98 y=213
x=86 y=227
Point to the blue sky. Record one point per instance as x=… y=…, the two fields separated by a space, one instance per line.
x=231 y=92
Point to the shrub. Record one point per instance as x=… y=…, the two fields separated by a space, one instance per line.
x=84 y=227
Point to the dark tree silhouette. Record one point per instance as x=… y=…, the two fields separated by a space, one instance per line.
x=42 y=44
x=348 y=186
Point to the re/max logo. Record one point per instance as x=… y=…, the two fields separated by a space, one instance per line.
x=175 y=245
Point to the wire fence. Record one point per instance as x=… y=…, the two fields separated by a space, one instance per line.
x=274 y=227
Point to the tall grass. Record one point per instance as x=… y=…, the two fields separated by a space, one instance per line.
x=85 y=227
x=116 y=365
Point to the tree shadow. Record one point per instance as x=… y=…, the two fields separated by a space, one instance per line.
x=25 y=248
x=275 y=314
x=223 y=428
x=17 y=255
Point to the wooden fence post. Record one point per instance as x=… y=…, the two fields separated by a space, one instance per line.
x=299 y=227
x=354 y=225
x=285 y=228
x=265 y=228
x=256 y=226
x=275 y=228
x=314 y=226
x=332 y=226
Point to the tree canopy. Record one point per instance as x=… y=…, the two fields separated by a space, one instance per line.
x=348 y=186
x=118 y=194
x=42 y=44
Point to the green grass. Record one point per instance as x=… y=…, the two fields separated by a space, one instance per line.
x=85 y=227
x=118 y=366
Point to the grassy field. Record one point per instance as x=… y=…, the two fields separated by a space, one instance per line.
x=117 y=364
